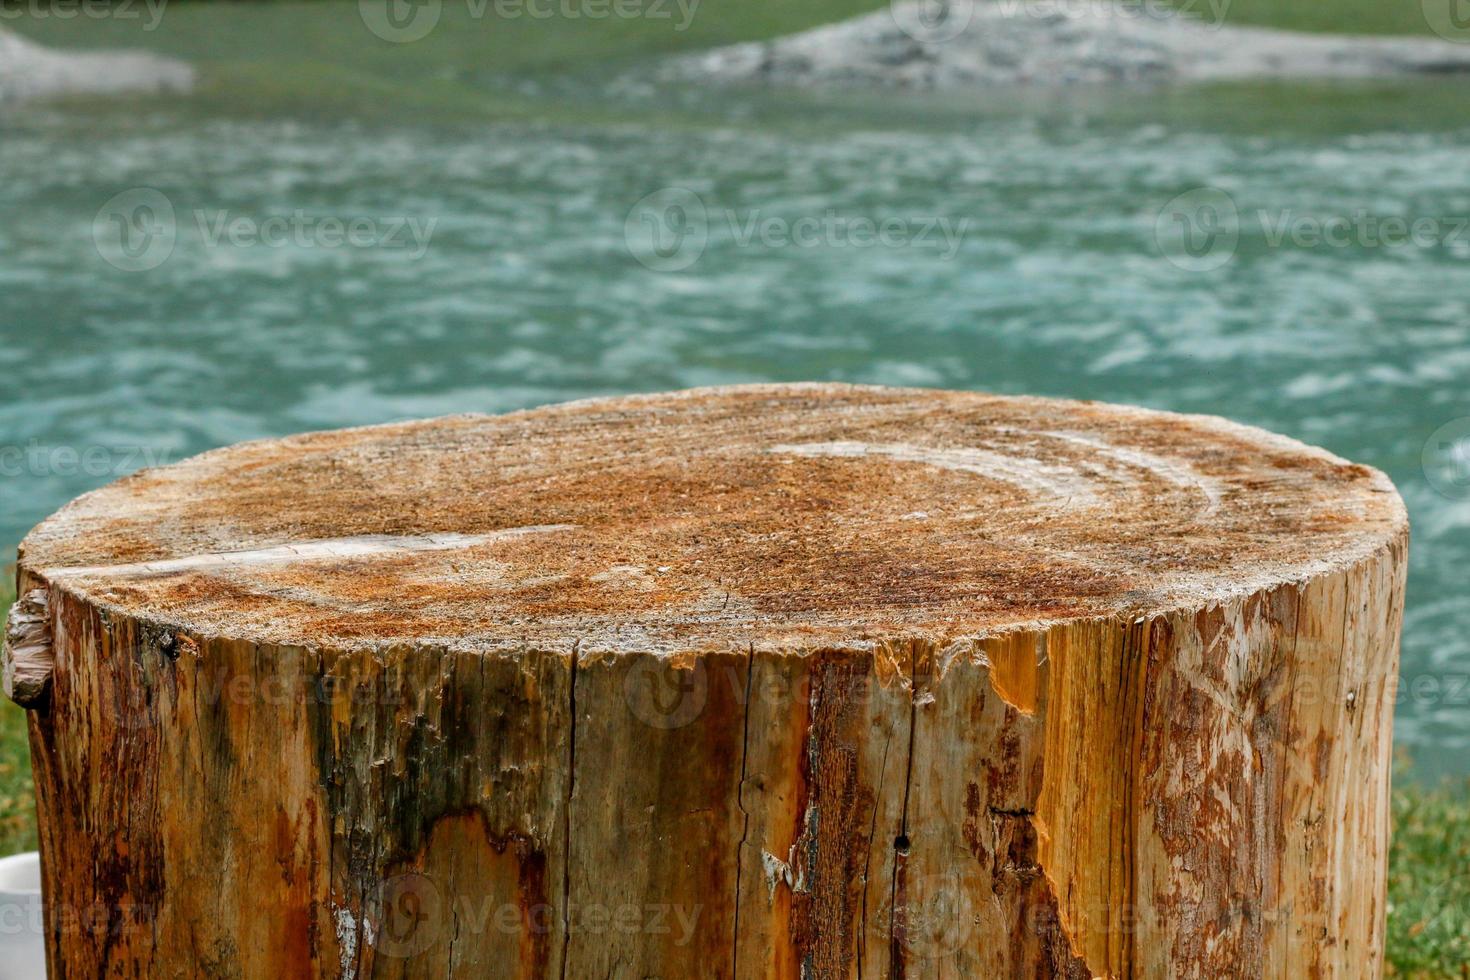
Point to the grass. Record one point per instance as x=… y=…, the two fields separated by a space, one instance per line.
x=1335 y=17
x=320 y=55
x=317 y=59
x=1428 y=884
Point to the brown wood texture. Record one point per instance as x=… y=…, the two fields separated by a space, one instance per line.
x=806 y=681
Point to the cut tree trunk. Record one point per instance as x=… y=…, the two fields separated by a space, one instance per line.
x=786 y=681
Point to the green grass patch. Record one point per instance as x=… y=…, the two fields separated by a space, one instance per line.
x=319 y=59
x=481 y=58
x=1429 y=884
x=1335 y=17
x=469 y=37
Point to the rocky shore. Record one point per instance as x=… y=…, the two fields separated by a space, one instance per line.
x=30 y=71
x=957 y=44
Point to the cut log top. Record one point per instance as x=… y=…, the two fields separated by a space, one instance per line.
x=778 y=517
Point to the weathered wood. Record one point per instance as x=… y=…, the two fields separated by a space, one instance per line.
x=29 y=658
x=775 y=681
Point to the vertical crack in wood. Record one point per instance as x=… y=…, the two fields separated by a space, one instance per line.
x=1066 y=946
x=1132 y=693
x=1282 y=883
x=897 y=960
x=566 y=876
x=744 y=815
x=862 y=937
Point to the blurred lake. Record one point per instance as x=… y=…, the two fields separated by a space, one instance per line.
x=393 y=233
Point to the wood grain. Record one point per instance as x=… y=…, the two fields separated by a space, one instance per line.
x=806 y=681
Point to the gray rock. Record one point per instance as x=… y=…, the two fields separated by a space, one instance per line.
x=30 y=71
x=972 y=43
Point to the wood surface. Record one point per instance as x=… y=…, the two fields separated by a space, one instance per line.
x=805 y=681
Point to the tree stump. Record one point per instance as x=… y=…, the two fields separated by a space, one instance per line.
x=781 y=681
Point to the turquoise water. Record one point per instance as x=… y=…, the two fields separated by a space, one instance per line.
x=1021 y=252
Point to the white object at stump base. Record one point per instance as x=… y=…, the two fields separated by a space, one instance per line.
x=22 y=934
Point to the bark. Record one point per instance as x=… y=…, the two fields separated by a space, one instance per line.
x=803 y=681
